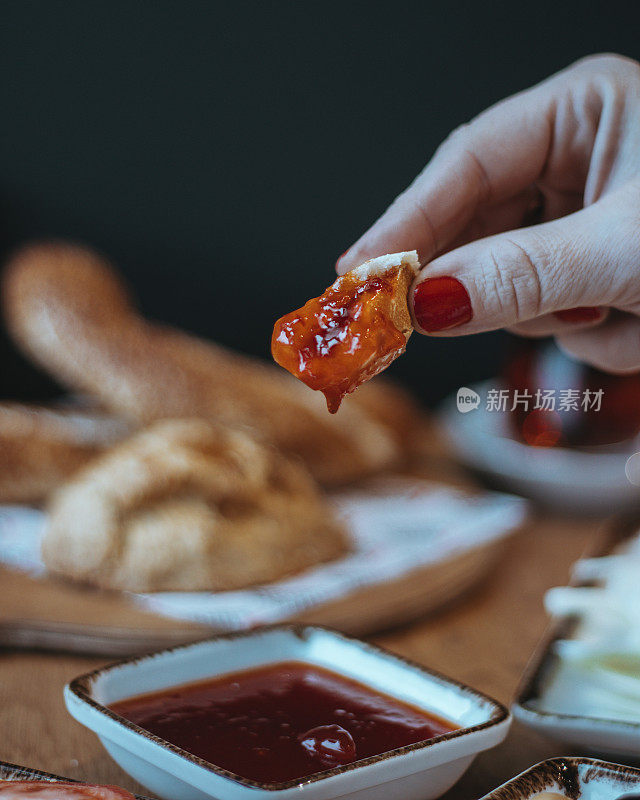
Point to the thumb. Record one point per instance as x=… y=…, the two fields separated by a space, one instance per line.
x=588 y=258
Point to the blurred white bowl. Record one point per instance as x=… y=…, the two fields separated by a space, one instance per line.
x=584 y=481
x=573 y=779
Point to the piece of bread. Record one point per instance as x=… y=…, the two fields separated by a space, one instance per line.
x=68 y=310
x=353 y=331
x=42 y=446
x=187 y=505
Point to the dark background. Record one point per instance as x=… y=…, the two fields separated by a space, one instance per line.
x=225 y=154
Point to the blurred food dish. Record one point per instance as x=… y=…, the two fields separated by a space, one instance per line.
x=203 y=498
x=188 y=505
x=583 y=684
x=42 y=446
x=610 y=416
x=571 y=779
x=69 y=310
x=60 y=790
x=17 y=782
x=416 y=545
x=584 y=480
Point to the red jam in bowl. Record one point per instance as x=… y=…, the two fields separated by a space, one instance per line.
x=280 y=722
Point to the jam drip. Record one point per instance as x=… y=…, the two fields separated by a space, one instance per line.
x=337 y=341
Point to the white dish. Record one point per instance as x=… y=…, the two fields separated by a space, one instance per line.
x=421 y=771
x=573 y=778
x=583 y=481
x=613 y=737
x=534 y=705
x=609 y=737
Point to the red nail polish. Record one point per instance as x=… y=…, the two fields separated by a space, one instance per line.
x=441 y=303
x=580 y=314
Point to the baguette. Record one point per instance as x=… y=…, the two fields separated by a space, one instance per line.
x=186 y=505
x=68 y=310
x=41 y=447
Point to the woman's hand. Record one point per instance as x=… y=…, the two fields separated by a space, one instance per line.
x=565 y=154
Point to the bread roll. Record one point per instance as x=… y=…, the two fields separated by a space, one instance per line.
x=188 y=505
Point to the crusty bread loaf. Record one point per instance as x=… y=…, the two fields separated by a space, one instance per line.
x=188 y=505
x=40 y=447
x=67 y=309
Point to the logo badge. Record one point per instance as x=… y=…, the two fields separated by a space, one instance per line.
x=467 y=399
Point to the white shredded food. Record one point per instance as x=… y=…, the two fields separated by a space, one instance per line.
x=598 y=668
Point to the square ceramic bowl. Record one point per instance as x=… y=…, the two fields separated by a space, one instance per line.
x=534 y=705
x=612 y=737
x=423 y=770
x=572 y=778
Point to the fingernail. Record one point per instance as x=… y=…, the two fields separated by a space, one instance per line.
x=580 y=314
x=441 y=303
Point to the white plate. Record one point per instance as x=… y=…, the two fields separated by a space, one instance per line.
x=584 y=481
x=614 y=737
x=611 y=737
x=575 y=778
x=421 y=771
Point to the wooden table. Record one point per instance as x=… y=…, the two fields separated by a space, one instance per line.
x=485 y=640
